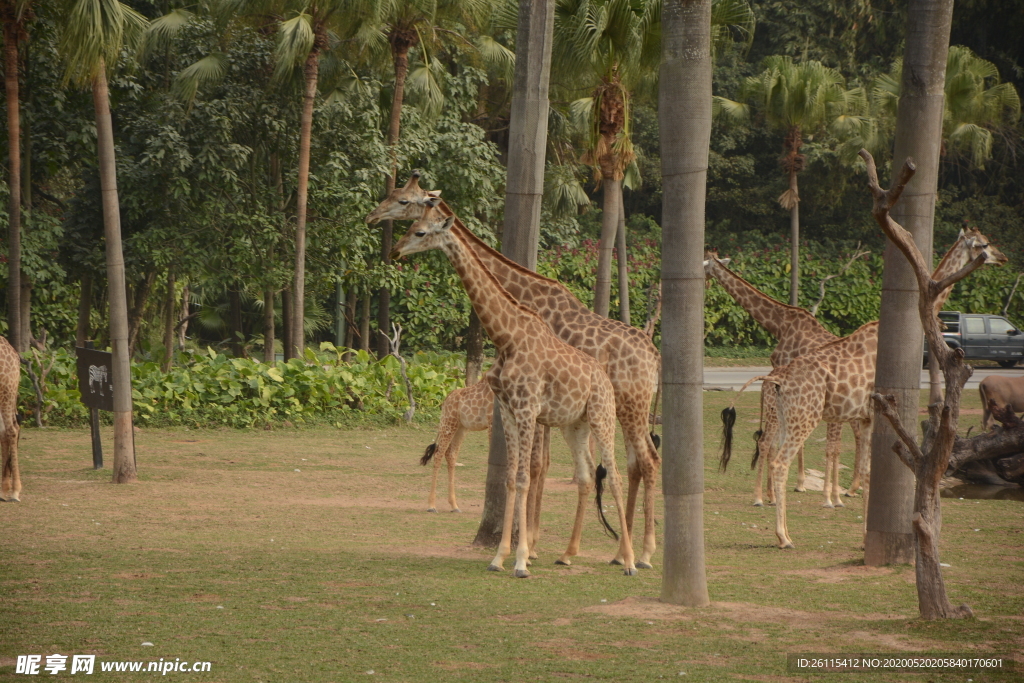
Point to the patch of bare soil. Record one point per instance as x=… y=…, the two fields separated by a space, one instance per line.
x=840 y=573
x=564 y=648
x=652 y=608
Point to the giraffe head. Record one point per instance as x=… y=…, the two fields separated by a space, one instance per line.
x=430 y=231
x=710 y=261
x=404 y=203
x=975 y=243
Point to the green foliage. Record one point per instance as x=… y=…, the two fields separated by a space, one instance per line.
x=211 y=389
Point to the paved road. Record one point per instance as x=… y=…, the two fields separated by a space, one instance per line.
x=734 y=378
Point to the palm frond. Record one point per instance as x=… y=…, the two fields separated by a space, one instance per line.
x=162 y=30
x=93 y=35
x=498 y=56
x=295 y=39
x=209 y=70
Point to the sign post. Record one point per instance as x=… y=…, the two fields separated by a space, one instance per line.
x=96 y=384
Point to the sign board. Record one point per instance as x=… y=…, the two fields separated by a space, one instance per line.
x=96 y=378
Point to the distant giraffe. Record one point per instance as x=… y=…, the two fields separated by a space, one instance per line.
x=10 y=378
x=537 y=379
x=627 y=354
x=467 y=409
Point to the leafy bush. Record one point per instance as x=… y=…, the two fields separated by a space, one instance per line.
x=211 y=389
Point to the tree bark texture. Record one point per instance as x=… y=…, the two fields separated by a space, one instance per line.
x=524 y=189
x=84 y=310
x=286 y=327
x=268 y=325
x=11 y=29
x=311 y=73
x=235 y=331
x=623 y=260
x=124 y=468
x=794 y=242
x=890 y=533
x=609 y=227
x=139 y=300
x=684 y=106
x=929 y=461
x=169 y=319
x=474 y=349
x=183 y=316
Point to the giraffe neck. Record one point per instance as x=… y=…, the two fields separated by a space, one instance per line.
x=955 y=259
x=770 y=314
x=504 y=319
x=523 y=284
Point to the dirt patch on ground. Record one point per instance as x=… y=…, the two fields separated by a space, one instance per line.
x=840 y=573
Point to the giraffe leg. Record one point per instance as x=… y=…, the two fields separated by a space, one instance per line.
x=859 y=459
x=577 y=437
x=601 y=416
x=526 y=434
x=650 y=544
x=512 y=447
x=10 y=487
x=833 y=444
x=445 y=436
x=765 y=446
x=780 y=472
x=801 y=475
x=451 y=456
x=864 y=453
x=540 y=458
x=634 y=478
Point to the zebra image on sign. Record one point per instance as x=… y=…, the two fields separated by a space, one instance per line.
x=96 y=378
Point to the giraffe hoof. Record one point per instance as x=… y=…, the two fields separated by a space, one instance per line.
x=454 y=510
x=839 y=504
x=616 y=562
x=563 y=562
x=800 y=489
x=848 y=494
x=521 y=574
x=827 y=505
x=644 y=565
x=431 y=509
x=495 y=568
x=758 y=504
x=630 y=571
x=786 y=546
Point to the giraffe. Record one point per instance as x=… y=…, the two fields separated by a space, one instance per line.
x=629 y=357
x=10 y=378
x=797 y=332
x=834 y=383
x=467 y=409
x=537 y=379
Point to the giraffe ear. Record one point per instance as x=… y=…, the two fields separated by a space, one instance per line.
x=433 y=193
x=724 y=261
x=448 y=223
x=961 y=236
x=431 y=201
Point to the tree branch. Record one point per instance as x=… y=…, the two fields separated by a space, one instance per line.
x=911 y=452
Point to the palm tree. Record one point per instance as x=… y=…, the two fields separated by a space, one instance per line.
x=684 y=120
x=92 y=38
x=612 y=48
x=14 y=14
x=919 y=118
x=800 y=99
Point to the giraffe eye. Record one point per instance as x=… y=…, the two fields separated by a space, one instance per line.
x=403 y=202
x=420 y=233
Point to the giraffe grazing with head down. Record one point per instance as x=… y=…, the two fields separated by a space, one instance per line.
x=834 y=383
x=537 y=379
x=628 y=356
x=797 y=332
x=467 y=409
x=10 y=378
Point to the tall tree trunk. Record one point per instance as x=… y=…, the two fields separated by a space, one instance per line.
x=474 y=348
x=84 y=310
x=401 y=42
x=339 y=314
x=609 y=227
x=124 y=469
x=11 y=30
x=183 y=328
x=524 y=188
x=311 y=72
x=350 y=328
x=135 y=316
x=364 y=324
x=170 y=302
x=286 y=327
x=685 y=128
x=237 y=342
x=268 y=325
x=794 y=239
x=890 y=534
x=25 y=310
x=623 y=260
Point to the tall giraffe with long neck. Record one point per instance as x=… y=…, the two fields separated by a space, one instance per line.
x=797 y=332
x=627 y=354
x=537 y=379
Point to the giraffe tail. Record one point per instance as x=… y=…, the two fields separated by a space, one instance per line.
x=729 y=421
x=599 y=487
x=428 y=454
x=757 y=448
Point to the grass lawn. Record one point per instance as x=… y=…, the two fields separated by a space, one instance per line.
x=307 y=555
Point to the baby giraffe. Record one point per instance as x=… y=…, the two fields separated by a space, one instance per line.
x=537 y=378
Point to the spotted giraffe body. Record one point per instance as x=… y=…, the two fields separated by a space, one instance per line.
x=467 y=409
x=10 y=378
x=537 y=379
x=630 y=359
